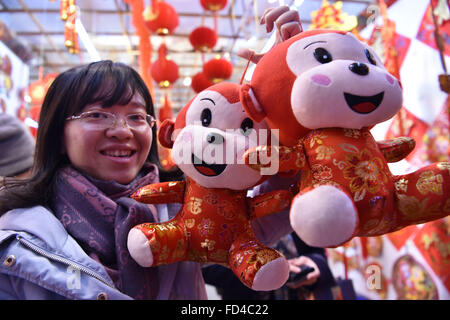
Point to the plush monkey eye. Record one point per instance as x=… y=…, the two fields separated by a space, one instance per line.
x=205 y=117
x=370 y=57
x=246 y=126
x=322 y=55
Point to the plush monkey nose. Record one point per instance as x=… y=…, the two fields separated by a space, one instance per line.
x=359 y=68
x=214 y=138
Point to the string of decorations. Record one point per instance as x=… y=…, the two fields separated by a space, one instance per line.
x=68 y=14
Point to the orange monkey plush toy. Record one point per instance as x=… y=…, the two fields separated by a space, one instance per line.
x=324 y=90
x=211 y=134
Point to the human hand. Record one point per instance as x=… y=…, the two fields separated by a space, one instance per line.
x=296 y=263
x=287 y=23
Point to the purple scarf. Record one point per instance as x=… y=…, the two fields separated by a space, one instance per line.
x=99 y=215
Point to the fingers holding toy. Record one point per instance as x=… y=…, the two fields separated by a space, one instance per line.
x=258 y=157
x=287 y=23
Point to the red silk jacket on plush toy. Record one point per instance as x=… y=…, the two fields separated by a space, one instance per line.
x=324 y=90
x=213 y=224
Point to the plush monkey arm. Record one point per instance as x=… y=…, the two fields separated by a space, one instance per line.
x=163 y=192
x=396 y=149
x=289 y=159
x=268 y=203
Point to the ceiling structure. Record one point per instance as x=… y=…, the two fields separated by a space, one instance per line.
x=38 y=27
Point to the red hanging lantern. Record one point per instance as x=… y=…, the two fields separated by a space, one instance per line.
x=160 y=18
x=163 y=70
x=38 y=89
x=218 y=69
x=203 y=39
x=213 y=5
x=200 y=82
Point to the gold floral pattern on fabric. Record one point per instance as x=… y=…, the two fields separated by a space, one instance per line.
x=194 y=205
x=321 y=172
x=401 y=185
x=443 y=166
x=353 y=162
x=364 y=171
x=413 y=208
x=212 y=226
x=324 y=152
x=430 y=183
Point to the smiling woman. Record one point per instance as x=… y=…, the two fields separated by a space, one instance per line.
x=95 y=139
x=100 y=86
x=94 y=148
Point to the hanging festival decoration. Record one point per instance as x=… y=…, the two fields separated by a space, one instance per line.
x=38 y=89
x=332 y=17
x=165 y=112
x=213 y=5
x=203 y=39
x=165 y=154
x=160 y=18
x=164 y=71
x=218 y=69
x=145 y=46
x=68 y=13
x=200 y=82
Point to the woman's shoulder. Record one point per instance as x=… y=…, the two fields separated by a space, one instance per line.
x=35 y=221
x=37 y=251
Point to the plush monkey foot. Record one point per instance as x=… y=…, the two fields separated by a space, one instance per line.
x=324 y=216
x=139 y=248
x=272 y=275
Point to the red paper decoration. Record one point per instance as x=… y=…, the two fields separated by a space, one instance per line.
x=218 y=69
x=38 y=89
x=160 y=18
x=203 y=39
x=163 y=70
x=200 y=82
x=213 y=5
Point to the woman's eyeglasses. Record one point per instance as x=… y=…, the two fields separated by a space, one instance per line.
x=106 y=120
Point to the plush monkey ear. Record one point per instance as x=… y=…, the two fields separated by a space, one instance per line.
x=250 y=104
x=165 y=133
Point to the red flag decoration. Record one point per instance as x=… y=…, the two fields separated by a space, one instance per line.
x=433 y=242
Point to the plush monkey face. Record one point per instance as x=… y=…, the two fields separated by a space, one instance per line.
x=340 y=82
x=209 y=146
x=320 y=79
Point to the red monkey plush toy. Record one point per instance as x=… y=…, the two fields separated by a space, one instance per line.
x=211 y=134
x=324 y=90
